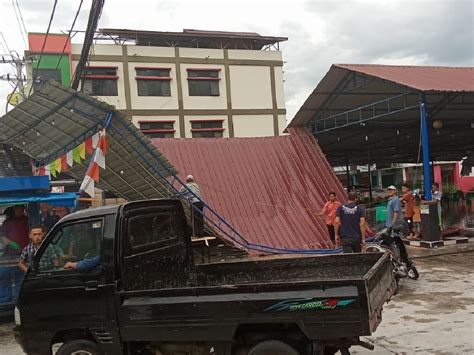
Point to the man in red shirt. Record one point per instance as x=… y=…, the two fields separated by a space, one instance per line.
x=329 y=210
x=16 y=231
x=408 y=199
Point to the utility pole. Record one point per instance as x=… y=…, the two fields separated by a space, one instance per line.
x=18 y=79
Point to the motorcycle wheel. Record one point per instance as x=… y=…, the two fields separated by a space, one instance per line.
x=413 y=273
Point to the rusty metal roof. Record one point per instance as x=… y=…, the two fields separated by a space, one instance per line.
x=370 y=113
x=269 y=188
x=193 y=38
x=423 y=78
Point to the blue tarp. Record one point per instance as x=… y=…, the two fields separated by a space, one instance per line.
x=22 y=183
x=66 y=199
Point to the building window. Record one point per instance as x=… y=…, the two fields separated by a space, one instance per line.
x=100 y=81
x=207 y=128
x=42 y=76
x=153 y=81
x=203 y=82
x=157 y=129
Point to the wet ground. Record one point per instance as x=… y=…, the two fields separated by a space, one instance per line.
x=434 y=315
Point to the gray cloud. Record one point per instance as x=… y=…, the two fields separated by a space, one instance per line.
x=421 y=32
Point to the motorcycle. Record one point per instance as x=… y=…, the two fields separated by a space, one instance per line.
x=391 y=240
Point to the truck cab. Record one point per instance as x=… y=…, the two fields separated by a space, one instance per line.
x=125 y=283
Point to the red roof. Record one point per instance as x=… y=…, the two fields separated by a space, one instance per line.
x=423 y=78
x=269 y=188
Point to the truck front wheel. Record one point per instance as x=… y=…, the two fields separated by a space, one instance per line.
x=273 y=347
x=79 y=347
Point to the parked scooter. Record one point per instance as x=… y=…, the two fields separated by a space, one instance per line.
x=391 y=240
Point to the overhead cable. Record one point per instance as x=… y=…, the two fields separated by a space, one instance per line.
x=35 y=70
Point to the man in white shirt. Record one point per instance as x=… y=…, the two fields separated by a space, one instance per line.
x=193 y=195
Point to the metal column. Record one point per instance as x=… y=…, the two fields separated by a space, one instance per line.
x=426 y=148
x=348 y=174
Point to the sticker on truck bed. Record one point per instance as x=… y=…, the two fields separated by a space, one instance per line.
x=306 y=304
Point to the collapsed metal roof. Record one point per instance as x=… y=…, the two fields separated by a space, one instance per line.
x=371 y=113
x=269 y=188
x=55 y=119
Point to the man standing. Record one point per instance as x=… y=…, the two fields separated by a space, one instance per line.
x=50 y=257
x=192 y=194
x=394 y=207
x=409 y=200
x=350 y=225
x=436 y=196
x=329 y=210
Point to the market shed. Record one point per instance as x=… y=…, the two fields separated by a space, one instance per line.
x=55 y=119
x=269 y=188
x=362 y=113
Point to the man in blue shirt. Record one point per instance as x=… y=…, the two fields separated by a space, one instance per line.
x=394 y=207
x=349 y=225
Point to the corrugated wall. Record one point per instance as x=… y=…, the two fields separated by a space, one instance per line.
x=270 y=189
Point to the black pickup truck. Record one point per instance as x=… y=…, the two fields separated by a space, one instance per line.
x=131 y=286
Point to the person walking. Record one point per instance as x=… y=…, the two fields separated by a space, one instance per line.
x=394 y=207
x=191 y=193
x=349 y=225
x=329 y=210
x=408 y=199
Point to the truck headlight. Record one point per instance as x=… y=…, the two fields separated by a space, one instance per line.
x=17 y=316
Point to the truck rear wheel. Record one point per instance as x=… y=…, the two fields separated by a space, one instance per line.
x=273 y=347
x=79 y=347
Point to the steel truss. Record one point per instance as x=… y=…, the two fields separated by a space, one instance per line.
x=362 y=114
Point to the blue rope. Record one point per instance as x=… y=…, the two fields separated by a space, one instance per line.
x=242 y=242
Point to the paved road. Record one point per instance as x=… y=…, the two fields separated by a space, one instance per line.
x=434 y=315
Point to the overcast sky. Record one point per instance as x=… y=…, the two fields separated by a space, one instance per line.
x=417 y=32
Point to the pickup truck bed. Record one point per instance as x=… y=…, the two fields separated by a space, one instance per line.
x=325 y=296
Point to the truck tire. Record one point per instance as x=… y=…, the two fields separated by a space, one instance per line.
x=79 y=347
x=273 y=347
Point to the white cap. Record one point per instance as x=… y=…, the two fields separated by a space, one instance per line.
x=189 y=178
x=391 y=187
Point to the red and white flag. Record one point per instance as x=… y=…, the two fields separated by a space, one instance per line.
x=97 y=161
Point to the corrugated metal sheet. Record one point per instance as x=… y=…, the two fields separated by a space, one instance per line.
x=270 y=189
x=420 y=78
x=423 y=78
x=56 y=119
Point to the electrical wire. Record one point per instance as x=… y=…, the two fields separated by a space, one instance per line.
x=16 y=8
x=35 y=70
x=69 y=34
x=21 y=17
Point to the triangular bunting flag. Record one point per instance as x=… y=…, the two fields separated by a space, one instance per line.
x=88 y=186
x=64 y=166
x=82 y=151
x=89 y=147
x=93 y=172
x=76 y=155
x=95 y=140
x=69 y=158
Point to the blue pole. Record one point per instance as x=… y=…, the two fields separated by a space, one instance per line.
x=425 y=142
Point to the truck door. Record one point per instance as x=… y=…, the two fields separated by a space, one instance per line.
x=155 y=250
x=55 y=298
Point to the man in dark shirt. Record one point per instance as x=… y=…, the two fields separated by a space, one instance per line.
x=350 y=225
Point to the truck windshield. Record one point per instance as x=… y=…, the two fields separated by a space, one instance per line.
x=71 y=242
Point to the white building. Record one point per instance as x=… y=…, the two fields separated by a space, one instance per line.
x=191 y=83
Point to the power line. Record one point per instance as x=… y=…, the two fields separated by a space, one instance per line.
x=21 y=17
x=69 y=34
x=16 y=8
x=35 y=70
x=5 y=41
